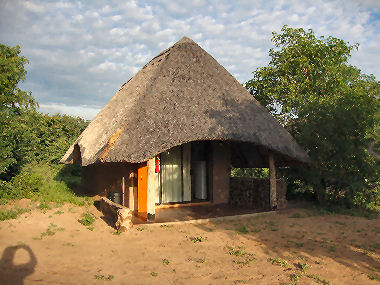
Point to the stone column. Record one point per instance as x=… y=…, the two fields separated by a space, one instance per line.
x=272 y=182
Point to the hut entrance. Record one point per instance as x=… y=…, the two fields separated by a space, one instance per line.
x=184 y=173
x=171 y=175
x=142 y=190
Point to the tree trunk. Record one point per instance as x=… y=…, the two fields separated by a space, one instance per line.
x=320 y=189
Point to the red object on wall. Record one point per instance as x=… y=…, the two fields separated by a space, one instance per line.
x=158 y=164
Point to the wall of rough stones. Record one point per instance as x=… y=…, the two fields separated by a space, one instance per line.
x=254 y=192
x=116 y=214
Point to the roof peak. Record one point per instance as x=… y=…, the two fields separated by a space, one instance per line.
x=185 y=40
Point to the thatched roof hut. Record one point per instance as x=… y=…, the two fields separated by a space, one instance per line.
x=181 y=95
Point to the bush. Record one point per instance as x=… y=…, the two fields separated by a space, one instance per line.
x=87 y=219
x=12 y=213
x=45 y=183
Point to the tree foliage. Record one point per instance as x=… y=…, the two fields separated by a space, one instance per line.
x=13 y=100
x=25 y=134
x=329 y=107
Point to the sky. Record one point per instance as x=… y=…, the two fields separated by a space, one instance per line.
x=80 y=53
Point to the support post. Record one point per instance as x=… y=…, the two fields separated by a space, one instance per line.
x=153 y=190
x=272 y=183
x=123 y=189
x=133 y=192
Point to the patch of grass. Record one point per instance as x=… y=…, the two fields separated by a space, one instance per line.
x=355 y=212
x=270 y=223
x=197 y=260
x=299 y=244
x=48 y=232
x=154 y=274
x=165 y=261
x=12 y=213
x=91 y=228
x=279 y=261
x=87 y=219
x=197 y=239
x=166 y=226
x=244 y=258
x=257 y=230
x=375 y=245
x=58 y=212
x=236 y=251
x=242 y=229
x=318 y=279
x=340 y=223
x=296 y=216
x=331 y=248
x=103 y=277
x=117 y=232
x=299 y=237
x=44 y=206
x=241 y=281
x=68 y=244
x=294 y=277
x=373 y=277
x=140 y=229
x=302 y=266
x=51 y=230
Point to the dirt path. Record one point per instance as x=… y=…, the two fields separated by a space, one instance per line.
x=285 y=247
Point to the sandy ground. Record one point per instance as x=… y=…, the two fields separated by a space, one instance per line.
x=54 y=248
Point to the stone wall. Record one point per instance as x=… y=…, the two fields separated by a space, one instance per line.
x=254 y=192
x=115 y=214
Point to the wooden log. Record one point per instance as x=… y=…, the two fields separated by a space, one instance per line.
x=272 y=182
x=123 y=189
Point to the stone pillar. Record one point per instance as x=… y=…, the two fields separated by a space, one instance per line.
x=153 y=189
x=272 y=182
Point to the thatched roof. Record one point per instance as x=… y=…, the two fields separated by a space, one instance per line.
x=181 y=95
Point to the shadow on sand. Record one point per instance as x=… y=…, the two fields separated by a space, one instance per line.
x=11 y=273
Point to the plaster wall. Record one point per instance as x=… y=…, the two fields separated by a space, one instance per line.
x=102 y=179
x=221 y=169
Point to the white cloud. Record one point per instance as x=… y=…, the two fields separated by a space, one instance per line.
x=81 y=53
x=83 y=111
x=33 y=7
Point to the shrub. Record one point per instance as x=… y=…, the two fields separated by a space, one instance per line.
x=12 y=213
x=45 y=183
x=87 y=219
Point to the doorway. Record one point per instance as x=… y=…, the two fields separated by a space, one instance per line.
x=142 y=183
x=185 y=173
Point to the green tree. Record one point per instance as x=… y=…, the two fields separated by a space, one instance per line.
x=329 y=107
x=14 y=102
x=25 y=134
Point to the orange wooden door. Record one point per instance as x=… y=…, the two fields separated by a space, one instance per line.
x=142 y=190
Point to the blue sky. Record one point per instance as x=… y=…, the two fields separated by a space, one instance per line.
x=80 y=53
